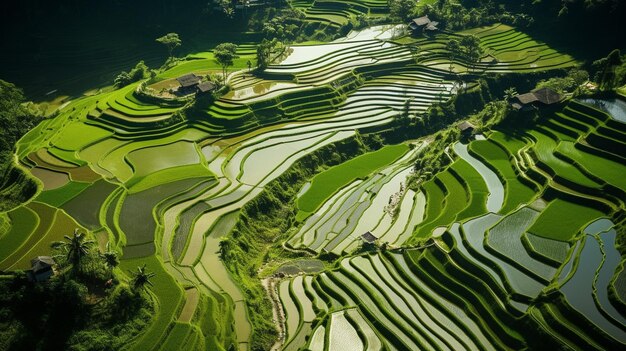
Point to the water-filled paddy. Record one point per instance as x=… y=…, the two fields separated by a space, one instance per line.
x=301 y=266
x=186 y=221
x=505 y=238
x=579 y=288
x=308 y=234
x=136 y=219
x=417 y=216
x=474 y=232
x=496 y=190
x=317 y=340
x=260 y=89
x=153 y=159
x=606 y=273
x=615 y=107
x=306 y=306
x=342 y=335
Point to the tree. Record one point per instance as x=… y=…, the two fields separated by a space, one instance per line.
x=225 y=248
x=401 y=9
x=569 y=83
x=472 y=51
x=171 y=42
x=141 y=278
x=510 y=93
x=403 y=119
x=608 y=65
x=384 y=246
x=122 y=79
x=264 y=51
x=139 y=72
x=453 y=47
x=15 y=117
x=227 y=8
x=225 y=54
x=110 y=258
x=76 y=248
x=124 y=303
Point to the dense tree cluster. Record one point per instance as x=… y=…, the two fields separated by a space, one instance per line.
x=85 y=306
x=402 y=10
x=16 y=118
x=171 y=42
x=284 y=27
x=455 y=15
x=139 y=72
x=225 y=54
x=567 y=84
x=264 y=52
x=610 y=71
x=467 y=48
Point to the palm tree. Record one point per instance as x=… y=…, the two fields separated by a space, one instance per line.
x=75 y=248
x=141 y=278
x=110 y=258
x=510 y=93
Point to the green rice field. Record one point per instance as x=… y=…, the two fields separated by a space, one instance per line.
x=294 y=211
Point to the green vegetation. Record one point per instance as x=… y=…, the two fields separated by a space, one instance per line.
x=139 y=72
x=167 y=293
x=171 y=42
x=225 y=54
x=325 y=184
x=86 y=303
x=363 y=184
x=572 y=218
x=23 y=221
x=16 y=118
x=61 y=195
x=516 y=192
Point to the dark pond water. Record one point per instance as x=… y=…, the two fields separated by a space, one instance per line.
x=615 y=107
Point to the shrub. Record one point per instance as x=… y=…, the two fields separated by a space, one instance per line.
x=139 y=72
x=124 y=303
x=566 y=84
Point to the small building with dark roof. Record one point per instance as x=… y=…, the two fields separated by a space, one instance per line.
x=543 y=96
x=188 y=80
x=423 y=23
x=368 y=237
x=547 y=96
x=466 y=128
x=206 y=87
x=432 y=26
x=41 y=268
x=419 y=22
x=523 y=102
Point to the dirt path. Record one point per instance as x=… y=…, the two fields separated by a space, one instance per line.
x=269 y=284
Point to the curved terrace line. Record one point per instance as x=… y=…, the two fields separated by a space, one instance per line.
x=495 y=199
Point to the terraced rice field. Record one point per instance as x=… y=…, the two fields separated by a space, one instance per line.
x=500 y=264
x=468 y=259
x=336 y=13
